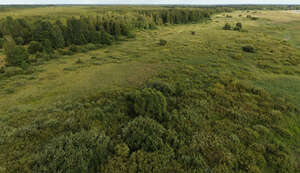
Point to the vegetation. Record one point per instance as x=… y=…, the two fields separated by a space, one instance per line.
x=101 y=94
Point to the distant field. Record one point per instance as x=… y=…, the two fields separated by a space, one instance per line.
x=222 y=90
x=54 y=12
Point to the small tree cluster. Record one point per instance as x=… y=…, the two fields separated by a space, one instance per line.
x=238 y=26
x=15 y=55
x=148 y=102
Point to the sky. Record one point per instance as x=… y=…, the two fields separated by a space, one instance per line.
x=203 y=2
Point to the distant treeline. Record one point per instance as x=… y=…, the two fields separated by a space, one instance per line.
x=101 y=29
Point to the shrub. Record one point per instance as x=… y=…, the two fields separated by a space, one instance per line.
x=1 y=43
x=144 y=133
x=163 y=87
x=148 y=102
x=19 y=41
x=78 y=152
x=65 y=52
x=47 y=46
x=248 y=49
x=106 y=38
x=227 y=26
x=35 y=47
x=73 y=48
x=78 y=61
x=162 y=42
x=91 y=46
x=238 y=26
x=11 y=71
x=193 y=33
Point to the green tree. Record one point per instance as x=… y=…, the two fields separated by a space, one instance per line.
x=78 y=152
x=15 y=55
x=1 y=42
x=35 y=47
x=148 y=102
x=144 y=133
x=42 y=30
x=19 y=41
x=106 y=38
x=57 y=38
x=47 y=46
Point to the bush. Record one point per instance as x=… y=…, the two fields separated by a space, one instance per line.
x=19 y=41
x=227 y=26
x=248 y=49
x=47 y=46
x=238 y=26
x=106 y=38
x=1 y=43
x=65 y=52
x=12 y=71
x=162 y=42
x=73 y=48
x=163 y=87
x=17 y=57
x=144 y=133
x=91 y=46
x=148 y=102
x=35 y=47
x=193 y=33
x=80 y=152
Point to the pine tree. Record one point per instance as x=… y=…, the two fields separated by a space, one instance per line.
x=57 y=38
x=15 y=55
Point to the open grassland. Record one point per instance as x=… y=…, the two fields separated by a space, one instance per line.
x=54 y=12
x=224 y=89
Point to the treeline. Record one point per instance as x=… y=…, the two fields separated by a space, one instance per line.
x=45 y=35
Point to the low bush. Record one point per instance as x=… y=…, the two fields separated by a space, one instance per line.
x=248 y=49
x=227 y=26
x=35 y=47
x=238 y=26
x=163 y=87
x=19 y=41
x=162 y=42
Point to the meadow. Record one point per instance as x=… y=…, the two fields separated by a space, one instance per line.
x=197 y=103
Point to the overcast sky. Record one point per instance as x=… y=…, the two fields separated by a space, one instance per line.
x=149 y=1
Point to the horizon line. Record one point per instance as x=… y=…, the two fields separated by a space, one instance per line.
x=150 y=4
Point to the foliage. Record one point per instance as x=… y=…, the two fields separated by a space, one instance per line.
x=162 y=42
x=35 y=47
x=15 y=55
x=78 y=152
x=144 y=133
x=148 y=102
x=227 y=26
x=238 y=26
x=248 y=49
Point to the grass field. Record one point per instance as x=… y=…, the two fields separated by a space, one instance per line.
x=128 y=65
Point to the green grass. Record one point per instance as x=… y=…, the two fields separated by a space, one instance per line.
x=202 y=62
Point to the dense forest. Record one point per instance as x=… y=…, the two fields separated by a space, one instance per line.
x=44 y=36
x=185 y=118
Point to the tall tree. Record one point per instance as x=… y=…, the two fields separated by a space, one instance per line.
x=57 y=38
